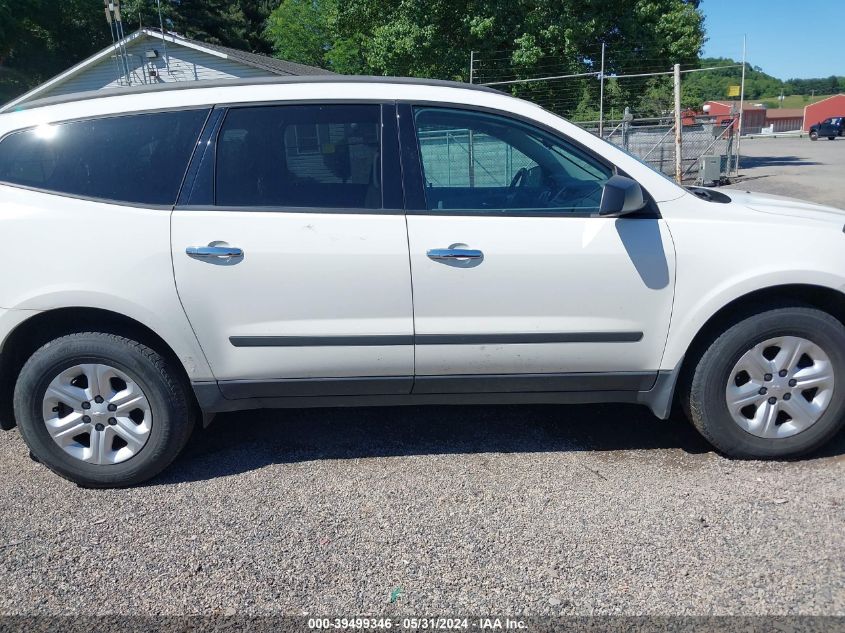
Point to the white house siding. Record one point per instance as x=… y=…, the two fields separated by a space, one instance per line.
x=186 y=64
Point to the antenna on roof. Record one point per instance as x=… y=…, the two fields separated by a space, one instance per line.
x=163 y=40
x=118 y=19
x=116 y=26
x=113 y=43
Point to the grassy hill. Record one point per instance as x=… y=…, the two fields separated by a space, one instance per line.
x=792 y=101
x=760 y=87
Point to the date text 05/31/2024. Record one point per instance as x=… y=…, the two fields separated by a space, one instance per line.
x=418 y=624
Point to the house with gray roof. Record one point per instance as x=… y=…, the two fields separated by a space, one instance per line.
x=149 y=57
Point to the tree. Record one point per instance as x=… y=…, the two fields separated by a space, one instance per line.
x=236 y=23
x=433 y=38
x=713 y=84
x=137 y=13
x=299 y=31
x=40 y=38
x=213 y=21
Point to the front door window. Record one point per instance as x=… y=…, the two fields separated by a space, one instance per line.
x=474 y=161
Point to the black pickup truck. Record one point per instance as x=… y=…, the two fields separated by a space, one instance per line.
x=831 y=128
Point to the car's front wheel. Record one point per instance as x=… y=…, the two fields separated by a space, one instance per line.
x=102 y=410
x=814 y=136
x=772 y=385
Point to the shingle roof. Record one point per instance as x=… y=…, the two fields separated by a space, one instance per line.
x=265 y=62
x=271 y=65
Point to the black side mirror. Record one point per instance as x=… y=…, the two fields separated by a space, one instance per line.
x=621 y=196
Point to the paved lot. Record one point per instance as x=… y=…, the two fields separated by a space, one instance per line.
x=796 y=167
x=475 y=510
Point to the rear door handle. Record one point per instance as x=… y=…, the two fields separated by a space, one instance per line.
x=208 y=252
x=454 y=253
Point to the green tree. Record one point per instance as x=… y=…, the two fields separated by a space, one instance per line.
x=213 y=21
x=433 y=38
x=237 y=23
x=40 y=38
x=299 y=31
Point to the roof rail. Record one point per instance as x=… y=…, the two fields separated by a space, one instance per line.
x=254 y=81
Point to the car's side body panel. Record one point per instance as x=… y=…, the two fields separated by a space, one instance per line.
x=554 y=294
x=68 y=252
x=556 y=290
x=308 y=298
x=729 y=251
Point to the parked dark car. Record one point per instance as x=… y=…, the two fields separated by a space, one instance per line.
x=830 y=127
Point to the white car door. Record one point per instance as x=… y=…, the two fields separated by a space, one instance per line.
x=293 y=266
x=518 y=284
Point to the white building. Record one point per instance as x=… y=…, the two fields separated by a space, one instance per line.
x=147 y=57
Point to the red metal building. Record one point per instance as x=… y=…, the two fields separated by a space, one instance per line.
x=753 y=116
x=785 y=119
x=821 y=110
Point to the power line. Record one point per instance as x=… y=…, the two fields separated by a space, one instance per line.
x=597 y=74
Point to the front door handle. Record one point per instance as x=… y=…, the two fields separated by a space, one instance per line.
x=209 y=252
x=455 y=253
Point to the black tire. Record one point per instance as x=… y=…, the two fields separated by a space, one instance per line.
x=831 y=138
x=814 y=136
x=172 y=417
x=706 y=405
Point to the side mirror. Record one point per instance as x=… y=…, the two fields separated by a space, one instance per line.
x=621 y=196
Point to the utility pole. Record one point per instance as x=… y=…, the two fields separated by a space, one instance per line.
x=471 y=65
x=741 y=106
x=601 y=95
x=678 y=124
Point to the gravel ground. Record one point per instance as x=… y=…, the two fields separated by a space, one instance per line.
x=471 y=510
x=476 y=510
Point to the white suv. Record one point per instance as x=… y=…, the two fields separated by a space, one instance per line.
x=335 y=241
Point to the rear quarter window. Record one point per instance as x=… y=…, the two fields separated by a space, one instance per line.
x=138 y=159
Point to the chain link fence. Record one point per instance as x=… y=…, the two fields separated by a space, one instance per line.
x=636 y=111
x=652 y=140
x=462 y=158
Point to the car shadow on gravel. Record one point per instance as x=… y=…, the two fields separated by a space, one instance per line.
x=249 y=440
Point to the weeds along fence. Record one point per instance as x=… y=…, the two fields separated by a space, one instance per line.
x=638 y=107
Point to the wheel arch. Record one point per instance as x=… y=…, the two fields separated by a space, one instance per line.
x=45 y=326
x=823 y=298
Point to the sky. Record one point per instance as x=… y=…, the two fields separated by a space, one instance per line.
x=786 y=38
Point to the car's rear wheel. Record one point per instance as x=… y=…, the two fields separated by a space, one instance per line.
x=102 y=410
x=772 y=385
x=831 y=138
x=814 y=136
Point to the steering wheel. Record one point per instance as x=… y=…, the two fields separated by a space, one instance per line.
x=518 y=178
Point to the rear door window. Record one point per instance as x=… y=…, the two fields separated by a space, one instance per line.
x=317 y=156
x=137 y=159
